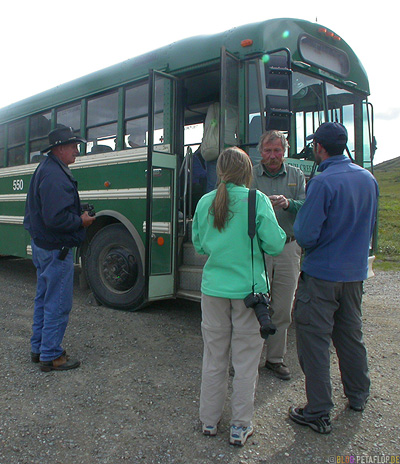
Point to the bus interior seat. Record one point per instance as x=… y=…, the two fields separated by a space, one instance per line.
x=99 y=149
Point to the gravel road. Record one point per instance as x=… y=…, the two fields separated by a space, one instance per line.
x=135 y=397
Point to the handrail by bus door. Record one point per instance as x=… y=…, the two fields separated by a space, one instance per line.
x=186 y=170
x=373 y=147
x=371 y=136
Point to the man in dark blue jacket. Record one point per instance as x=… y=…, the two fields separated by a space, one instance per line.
x=334 y=227
x=54 y=220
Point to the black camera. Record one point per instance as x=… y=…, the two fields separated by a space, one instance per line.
x=260 y=303
x=89 y=208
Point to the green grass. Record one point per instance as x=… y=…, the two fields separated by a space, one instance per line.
x=388 y=251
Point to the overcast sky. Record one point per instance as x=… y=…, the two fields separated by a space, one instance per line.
x=46 y=43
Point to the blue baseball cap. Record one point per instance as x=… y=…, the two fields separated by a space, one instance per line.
x=330 y=133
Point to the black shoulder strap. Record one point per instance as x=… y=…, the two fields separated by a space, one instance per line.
x=252 y=234
x=252 y=213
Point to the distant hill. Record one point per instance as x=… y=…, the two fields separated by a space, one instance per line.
x=388 y=251
x=391 y=165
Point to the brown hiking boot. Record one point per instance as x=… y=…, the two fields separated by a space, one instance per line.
x=280 y=370
x=63 y=363
x=35 y=357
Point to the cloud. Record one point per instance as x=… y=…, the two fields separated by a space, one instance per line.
x=389 y=114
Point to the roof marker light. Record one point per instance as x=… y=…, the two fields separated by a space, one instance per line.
x=246 y=43
x=328 y=33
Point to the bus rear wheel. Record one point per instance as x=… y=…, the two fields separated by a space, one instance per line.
x=114 y=269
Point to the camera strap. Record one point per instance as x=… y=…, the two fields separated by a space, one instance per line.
x=252 y=234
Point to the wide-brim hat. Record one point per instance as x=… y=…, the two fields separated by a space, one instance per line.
x=62 y=135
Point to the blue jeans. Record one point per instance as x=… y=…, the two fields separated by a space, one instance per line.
x=53 y=301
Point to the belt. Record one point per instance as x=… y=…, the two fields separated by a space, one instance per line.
x=290 y=239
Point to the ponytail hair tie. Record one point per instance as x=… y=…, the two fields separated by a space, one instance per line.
x=223 y=181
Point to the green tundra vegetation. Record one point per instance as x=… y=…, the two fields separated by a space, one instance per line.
x=388 y=251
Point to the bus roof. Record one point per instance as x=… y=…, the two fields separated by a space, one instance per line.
x=189 y=53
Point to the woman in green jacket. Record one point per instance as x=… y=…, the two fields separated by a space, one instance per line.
x=220 y=230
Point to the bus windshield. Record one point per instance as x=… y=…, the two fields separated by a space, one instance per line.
x=313 y=101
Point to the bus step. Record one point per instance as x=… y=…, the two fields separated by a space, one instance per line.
x=190 y=277
x=191 y=257
x=189 y=295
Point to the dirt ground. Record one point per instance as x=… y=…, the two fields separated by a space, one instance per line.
x=135 y=397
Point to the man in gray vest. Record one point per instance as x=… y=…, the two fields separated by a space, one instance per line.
x=285 y=187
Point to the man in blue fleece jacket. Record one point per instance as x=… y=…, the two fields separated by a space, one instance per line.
x=334 y=227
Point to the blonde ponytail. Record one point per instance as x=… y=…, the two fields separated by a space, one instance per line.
x=233 y=166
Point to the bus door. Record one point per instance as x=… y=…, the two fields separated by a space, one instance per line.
x=161 y=187
x=229 y=94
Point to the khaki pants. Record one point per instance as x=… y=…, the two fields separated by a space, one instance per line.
x=227 y=325
x=283 y=273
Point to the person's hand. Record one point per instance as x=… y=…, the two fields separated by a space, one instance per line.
x=279 y=201
x=87 y=220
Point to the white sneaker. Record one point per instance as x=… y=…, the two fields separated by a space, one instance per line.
x=210 y=430
x=239 y=435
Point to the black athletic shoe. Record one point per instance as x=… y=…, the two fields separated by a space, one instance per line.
x=358 y=407
x=320 y=424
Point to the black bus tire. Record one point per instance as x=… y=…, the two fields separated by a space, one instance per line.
x=114 y=269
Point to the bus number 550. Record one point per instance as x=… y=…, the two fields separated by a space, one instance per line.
x=18 y=184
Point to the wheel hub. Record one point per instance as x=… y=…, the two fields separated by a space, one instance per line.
x=120 y=269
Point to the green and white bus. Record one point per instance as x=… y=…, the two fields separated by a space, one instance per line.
x=141 y=118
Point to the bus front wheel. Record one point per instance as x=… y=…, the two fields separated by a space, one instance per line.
x=114 y=269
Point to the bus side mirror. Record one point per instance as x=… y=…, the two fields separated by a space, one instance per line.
x=277 y=72
x=278 y=113
x=278 y=91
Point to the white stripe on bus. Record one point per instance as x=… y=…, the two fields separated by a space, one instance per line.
x=112 y=194
x=89 y=161
x=11 y=219
x=159 y=227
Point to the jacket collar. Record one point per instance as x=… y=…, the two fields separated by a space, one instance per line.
x=62 y=165
x=333 y=160
x=260 y=171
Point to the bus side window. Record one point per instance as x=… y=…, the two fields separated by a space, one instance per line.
x=16 y=142
x=70 y=116
x=1 y=146
x=102 y=117
x=136 y=107
x=16 y=156
x=40 y=126
x=136 y=133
